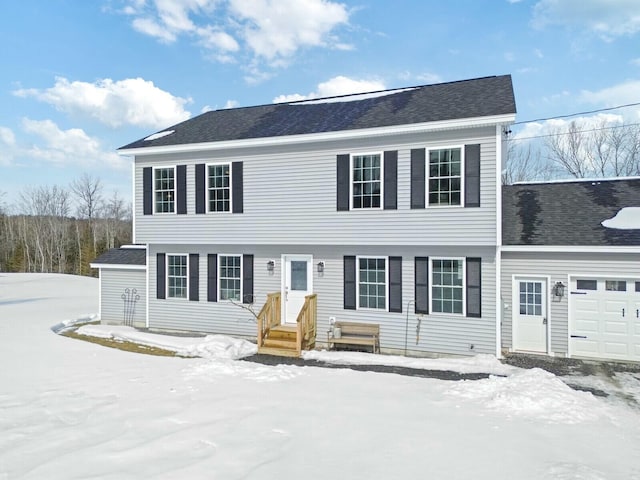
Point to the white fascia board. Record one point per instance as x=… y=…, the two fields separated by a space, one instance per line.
x=571 y=249
x=326 y=136
x=114 y=266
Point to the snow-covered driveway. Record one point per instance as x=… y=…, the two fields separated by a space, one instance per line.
x=75 y=410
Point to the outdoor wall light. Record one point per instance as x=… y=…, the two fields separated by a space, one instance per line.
x=558 y=289
x=321 y=266
x=271 y=264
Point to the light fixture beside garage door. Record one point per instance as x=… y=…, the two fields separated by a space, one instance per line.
x=558 y=290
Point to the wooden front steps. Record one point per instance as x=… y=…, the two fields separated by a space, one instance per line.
x=280 y=341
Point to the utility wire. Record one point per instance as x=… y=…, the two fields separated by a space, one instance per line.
x=557 y=134
x=589 y=112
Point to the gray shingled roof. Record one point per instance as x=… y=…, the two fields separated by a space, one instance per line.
x=123 y=256
x=479 y=97
x=568 y=213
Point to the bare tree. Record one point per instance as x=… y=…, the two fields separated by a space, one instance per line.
x=523 y=162
x=565 y=149
x=88 y=192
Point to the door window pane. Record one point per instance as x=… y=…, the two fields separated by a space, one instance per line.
x=615 y=286
x=531 y=298
x=299 y=275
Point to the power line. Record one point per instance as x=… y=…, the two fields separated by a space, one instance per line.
x=557 y=134
x=589 y=112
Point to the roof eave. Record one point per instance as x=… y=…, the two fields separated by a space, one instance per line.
x=455 y=124
x=572 y=248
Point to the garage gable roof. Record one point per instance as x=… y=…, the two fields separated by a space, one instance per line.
x=568 y=213
x=480 y=97
x=132 y=256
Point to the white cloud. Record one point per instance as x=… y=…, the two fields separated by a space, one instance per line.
x=548 y=127
x=605 y=18
x=426 y=77
x=538 y=53
x=269 y=30
x=620 y=94
x=509 y=56
x=232 y=104
x=7 y=145
x=339 y=85
x=133 y=101
x=68 y=147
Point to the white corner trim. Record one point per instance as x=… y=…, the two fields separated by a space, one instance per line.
x=325 y=136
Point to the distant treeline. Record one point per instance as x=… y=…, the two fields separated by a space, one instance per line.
x=42 y=236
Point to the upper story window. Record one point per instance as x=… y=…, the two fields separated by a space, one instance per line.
x=372 y=282
x=366 y=181
x=177 y=276
x=230 y=277
x=447 y=285
x=164 y=187
x=445 y=176
x=219 y=187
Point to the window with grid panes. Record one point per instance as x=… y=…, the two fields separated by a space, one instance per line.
x=445 y=177
x=230 y=276
x=530 y=298
x=367 y=181
x=219 y=188
x=447 y=285
x=372 y=283
x=177 y=276
x=164 y=190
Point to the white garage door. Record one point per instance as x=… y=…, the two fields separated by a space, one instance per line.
x=604 y=318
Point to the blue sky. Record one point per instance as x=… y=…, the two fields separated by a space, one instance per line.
x=81 y=78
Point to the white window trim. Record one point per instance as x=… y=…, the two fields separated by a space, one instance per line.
x=207 y=186
x=175 y=189
x=360 y=154
x=219 y=293
x=386 y=281
x=464 y=287
x=427 y=176
x=166 y=277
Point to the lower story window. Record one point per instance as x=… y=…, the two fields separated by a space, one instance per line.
x=230 y=276
x=372 y=283
x=177 y=276
x=447 y=285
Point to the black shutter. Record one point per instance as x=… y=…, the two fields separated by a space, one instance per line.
x=237 y=199
x=422 y=284
x=161 y=260
x=418 y=178
x=181 y=193
x=391 y=180
x=247 y=279
x=194 y=277
x=212 y=277
x=342 y=187
x=147 y=190
x=474 y=290
x=349 y=282
x=472 y=175
x=200 y=188
x=395 y=284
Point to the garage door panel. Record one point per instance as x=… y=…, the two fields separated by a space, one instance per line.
x=604 y=322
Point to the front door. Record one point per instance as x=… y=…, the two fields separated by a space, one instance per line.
x=296 y=284
x=530 y=315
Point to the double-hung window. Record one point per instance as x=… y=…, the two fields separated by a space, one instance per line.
x=219 y=187
x=447 y=285
x=366 y=174
x=164 y=187
x=177 y=276
x=230 y=277
x=445 y=176
x=372 y=282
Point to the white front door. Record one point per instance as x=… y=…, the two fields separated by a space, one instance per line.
x=296 y=284
x=530 y=315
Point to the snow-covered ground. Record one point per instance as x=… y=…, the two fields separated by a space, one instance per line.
x=76 y=410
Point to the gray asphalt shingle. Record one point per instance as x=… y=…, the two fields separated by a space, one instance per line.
x=123 y=256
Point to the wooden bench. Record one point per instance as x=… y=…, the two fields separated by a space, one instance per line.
x=355 y=333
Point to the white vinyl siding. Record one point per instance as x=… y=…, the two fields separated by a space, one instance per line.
x=290 y=198
x=114 y=284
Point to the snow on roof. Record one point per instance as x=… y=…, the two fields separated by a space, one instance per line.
x=593 y=181
x=155 y=136
x=627 y=218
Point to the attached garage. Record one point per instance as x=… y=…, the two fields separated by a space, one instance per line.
x=570 y=269
x=604 y=318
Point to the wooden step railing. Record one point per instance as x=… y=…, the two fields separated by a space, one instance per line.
x=306 y=324
x=269 y=316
